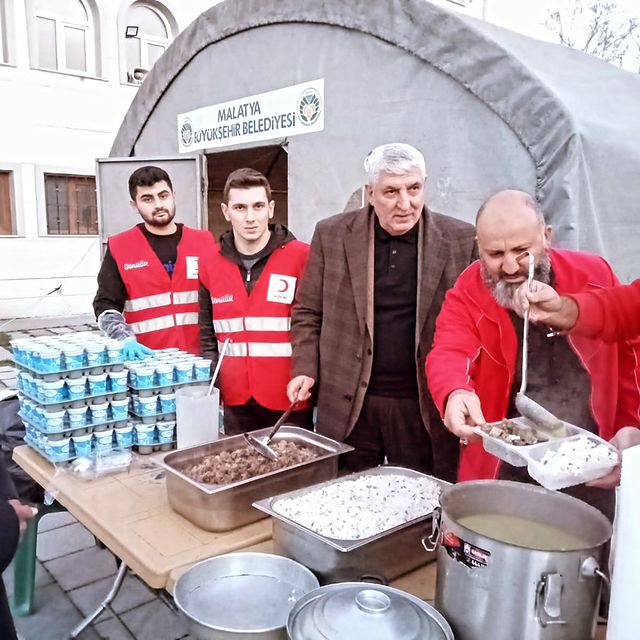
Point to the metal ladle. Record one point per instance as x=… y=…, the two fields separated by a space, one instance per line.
x=527 y=407
x=262 y=446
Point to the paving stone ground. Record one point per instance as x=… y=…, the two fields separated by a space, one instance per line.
x=73 y=576
x=74 y=573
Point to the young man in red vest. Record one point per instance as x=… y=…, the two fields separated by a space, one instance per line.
x=150 y=273
x=247 y=291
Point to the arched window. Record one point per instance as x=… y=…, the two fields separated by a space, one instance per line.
x=147 y=36
x=64 y=36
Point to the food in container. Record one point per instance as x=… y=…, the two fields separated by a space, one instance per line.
x=244 y=462
x=573 y=461
x=382 y=556
x=225 y=507
x=516 y=434
x=359 y=507
x=554 y=462
x=518 y=562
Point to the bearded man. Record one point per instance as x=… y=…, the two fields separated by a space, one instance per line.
x=150 y=273
x=474 y=368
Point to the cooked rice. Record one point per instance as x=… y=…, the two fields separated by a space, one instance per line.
x=577 y=456
x=353 y=509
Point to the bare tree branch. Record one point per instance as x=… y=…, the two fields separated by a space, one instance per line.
x=599 y=28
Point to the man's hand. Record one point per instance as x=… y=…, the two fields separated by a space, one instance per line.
x=133 y=350
x=625 y=438
x=545 y=305
x=462 y=413
x=299 y=388
x=24 y=513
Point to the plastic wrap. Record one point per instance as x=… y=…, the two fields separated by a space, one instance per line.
x=113 y=325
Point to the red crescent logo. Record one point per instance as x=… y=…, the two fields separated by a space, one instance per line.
x=285 y=286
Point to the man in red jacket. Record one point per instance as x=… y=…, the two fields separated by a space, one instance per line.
x=609 y=314
x=473 y=370
x=247 y=291
x=150 y=273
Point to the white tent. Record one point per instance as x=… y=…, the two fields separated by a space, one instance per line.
x=490 y=109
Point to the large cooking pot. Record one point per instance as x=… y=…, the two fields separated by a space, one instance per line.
x=241 y=596
x=362 y=611
x=518 y=561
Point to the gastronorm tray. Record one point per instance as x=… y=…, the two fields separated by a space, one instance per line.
x=379 y=558
x=530 y=455
x=224 y=507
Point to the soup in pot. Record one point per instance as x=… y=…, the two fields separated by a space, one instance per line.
x=523 y=532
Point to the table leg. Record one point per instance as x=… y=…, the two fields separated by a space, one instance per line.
x=117 y=583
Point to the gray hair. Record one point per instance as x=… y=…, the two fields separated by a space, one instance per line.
x=395 y=158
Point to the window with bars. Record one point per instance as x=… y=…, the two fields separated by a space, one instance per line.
x=7 y=217
x=71 y=204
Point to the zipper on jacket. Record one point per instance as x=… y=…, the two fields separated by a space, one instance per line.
x=248 y=275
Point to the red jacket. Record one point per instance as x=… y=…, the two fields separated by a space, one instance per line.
x=258 y=362
x=162 y=310
x=610 y=314
x=475 y=348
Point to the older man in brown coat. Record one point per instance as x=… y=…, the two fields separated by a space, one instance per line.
x=365 y=314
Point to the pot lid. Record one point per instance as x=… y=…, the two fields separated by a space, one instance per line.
x=361 y=610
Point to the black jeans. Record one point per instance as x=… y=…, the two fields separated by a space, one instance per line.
x=391 y=429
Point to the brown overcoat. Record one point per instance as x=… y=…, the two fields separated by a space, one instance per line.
x=332 y=320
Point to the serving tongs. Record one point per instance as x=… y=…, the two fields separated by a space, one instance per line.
x=543 y=419
x=262 y=446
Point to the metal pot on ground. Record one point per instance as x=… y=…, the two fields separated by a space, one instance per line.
x=488 y=588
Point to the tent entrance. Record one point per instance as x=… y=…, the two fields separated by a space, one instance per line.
x=270 y=160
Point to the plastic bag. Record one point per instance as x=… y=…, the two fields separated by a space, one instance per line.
x=113 y=325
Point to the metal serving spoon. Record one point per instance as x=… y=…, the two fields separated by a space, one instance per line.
x=262 y=446
x=530 y=409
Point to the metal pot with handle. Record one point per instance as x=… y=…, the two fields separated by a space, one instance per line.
x=517 y=561
x=357 y=610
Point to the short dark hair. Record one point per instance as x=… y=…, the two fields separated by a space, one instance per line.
x=147 y=176
x=245 y=179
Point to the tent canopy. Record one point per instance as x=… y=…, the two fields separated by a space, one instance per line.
x=490 y=109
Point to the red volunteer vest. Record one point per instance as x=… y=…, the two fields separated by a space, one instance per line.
x=162 y=310
x=257 y=362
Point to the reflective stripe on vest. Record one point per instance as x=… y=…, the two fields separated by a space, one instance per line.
x=257 y=349
x=148 y=302
x=156 y=324
x=186 y=318
x=165 y=322
x=233 y=325
x=268 y=324
x=185 y=297
x=161 y=300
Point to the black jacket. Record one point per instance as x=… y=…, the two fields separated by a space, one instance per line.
x=9 y=537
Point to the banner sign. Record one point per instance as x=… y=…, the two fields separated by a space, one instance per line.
x=275 y=114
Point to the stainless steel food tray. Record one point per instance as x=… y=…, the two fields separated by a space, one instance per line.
x=379 y=558
x=223 y=507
